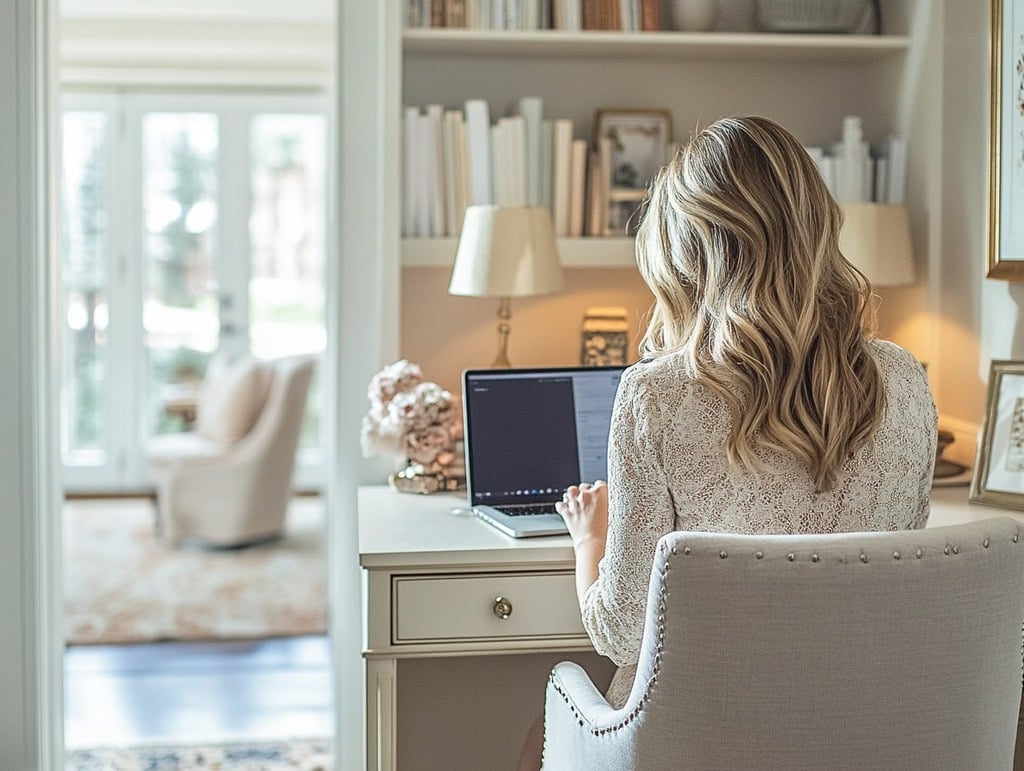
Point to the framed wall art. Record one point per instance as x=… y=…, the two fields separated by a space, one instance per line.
x=1005 y=251
x=998 y=478
x=635 y=145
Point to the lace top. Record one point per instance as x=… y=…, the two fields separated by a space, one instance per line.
x=667 y=470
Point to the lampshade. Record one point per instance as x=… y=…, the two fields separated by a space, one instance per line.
x=506 y=252
x=876 y=239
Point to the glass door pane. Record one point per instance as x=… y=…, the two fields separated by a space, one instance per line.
x=85 y=247
x=287 y=243
x=180 y=315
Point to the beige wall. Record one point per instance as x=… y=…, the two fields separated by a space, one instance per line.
x=446 y=334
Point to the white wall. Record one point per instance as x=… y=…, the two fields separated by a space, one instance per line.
x=29 y=696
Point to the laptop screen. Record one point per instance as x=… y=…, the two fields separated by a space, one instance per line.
x=530 y=433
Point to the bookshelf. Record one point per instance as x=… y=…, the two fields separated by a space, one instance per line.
x=447 y=66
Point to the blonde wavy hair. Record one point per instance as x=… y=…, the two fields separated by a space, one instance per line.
x=739 y=244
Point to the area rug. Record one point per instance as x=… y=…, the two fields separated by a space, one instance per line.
x=121 y=585
x=291 y=755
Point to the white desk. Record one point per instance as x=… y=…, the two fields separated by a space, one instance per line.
x=447 y=599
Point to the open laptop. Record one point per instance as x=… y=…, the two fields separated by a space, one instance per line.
x=529 y=434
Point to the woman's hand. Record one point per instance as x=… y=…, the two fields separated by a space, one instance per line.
x=584 y=508
x=585 y=511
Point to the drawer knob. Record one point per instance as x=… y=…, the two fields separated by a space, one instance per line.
x=502 y=607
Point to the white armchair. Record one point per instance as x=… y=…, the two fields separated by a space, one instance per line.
x=229 y=482
x=894 y=650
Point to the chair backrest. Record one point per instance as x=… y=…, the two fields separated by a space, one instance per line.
x=893 y=650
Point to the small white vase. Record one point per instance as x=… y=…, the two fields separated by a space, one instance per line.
x=694 y=15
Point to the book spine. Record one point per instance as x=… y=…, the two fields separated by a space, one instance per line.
x=563 y=175
x=650 y=16
x=450 y=173
x=435 y=170
x=409 y=168
x=531 y=108
x=578 y=187
x=547 y=154
x=437 y=13
x=424 y=182
x=605 y=181
x=478 y=132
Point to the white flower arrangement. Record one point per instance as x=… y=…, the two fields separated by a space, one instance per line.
x=410 y=418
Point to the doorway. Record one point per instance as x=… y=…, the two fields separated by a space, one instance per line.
x=194 y=224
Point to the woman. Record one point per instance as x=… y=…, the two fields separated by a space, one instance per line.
x=763 y=404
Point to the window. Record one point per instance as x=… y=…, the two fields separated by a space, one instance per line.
x=191 y=225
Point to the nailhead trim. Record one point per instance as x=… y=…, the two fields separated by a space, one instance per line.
x=660 y=647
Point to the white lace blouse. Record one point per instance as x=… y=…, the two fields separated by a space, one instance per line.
x=667 y=470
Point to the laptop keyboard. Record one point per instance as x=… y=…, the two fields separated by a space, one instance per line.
x=518 y=510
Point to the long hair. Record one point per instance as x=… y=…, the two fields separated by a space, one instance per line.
x=739 y=244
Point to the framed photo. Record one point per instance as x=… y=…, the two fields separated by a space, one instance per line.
x=632 y=146
x=1005 y=253
x=998 y=477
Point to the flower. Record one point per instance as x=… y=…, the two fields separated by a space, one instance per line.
x=410 y=417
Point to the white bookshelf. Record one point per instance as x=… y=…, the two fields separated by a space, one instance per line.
x=749 y=46
x=807 y=81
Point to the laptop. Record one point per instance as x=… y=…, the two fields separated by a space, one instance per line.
x=529 y=434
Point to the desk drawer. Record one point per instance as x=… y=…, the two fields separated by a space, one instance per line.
x=459 y=607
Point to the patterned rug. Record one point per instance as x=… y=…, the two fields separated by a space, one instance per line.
x=293 y=755
x=121 y=585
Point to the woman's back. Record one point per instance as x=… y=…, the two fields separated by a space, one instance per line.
x=883 y=486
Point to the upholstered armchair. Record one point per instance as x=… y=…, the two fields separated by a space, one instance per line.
x=894 y=650
x=228 y=482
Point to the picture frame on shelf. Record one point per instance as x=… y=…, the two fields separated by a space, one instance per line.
x=998 y=478
x=1005 y=249
x=632 y=144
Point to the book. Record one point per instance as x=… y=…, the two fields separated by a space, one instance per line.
x=410 y=200
x=478 y=140
x=531 y=108
x=562 y=176
x=650 y=16
x=547 y=153
x=578 y=187
x=434 y=143
x=455 y=13
x=451 y=172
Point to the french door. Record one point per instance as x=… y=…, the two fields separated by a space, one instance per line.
x=191 y=225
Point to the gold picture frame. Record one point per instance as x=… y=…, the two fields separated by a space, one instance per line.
x=1005 y=248
x=998 y=477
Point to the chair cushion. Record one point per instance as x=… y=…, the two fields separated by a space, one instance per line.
x=231 y=399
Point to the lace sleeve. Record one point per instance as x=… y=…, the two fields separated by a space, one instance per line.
x=639 y=513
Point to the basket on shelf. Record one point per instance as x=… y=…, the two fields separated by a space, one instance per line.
x=810 y=15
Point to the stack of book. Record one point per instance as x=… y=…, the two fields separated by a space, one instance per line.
x=570 y=15
x=454 y=158
x=857 y=171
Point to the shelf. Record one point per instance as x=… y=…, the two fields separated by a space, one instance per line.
x=575 y=252
x=744 y=46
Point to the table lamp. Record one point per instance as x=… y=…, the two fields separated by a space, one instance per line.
x=505 y=252
x=876 y=239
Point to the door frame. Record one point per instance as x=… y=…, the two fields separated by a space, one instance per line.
x=363 y=272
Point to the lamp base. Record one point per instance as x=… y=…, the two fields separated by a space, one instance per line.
x=504 y=314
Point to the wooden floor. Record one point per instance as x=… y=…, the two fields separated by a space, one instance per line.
x=192 y=693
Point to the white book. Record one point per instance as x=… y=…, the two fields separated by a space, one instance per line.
x=451 y=172
x=828 y=173
x=897 y=168
x=410 y=166
x=462 y=177
x=626 y=20
x=881 y=191
x=578 y=188
x=435 y=172
x=531 y=108
x=547 y=164
x=562 y=175
x=478 y=135
x=575 y=11
x=497 y=14
x=514 y=139
x=424 y=183
x=500 y=170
